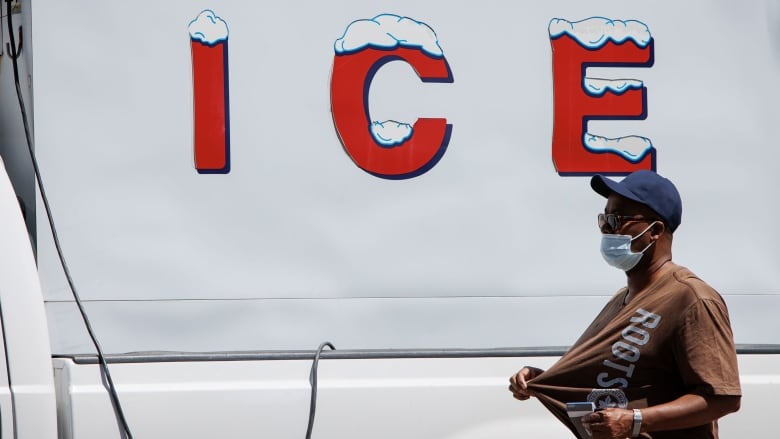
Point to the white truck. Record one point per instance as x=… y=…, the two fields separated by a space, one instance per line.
x=406 y=180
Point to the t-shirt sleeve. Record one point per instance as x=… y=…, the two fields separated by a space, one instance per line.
x=705 y=351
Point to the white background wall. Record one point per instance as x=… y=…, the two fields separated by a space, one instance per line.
x=296 y=244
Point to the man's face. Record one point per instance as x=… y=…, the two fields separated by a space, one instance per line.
x=631 y=217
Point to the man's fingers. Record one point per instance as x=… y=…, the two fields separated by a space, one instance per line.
x=521 y=381
x=519 y=384
x=518 y=379
x=518 y=393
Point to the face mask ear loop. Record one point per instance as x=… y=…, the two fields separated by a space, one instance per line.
x=648 y=246
x=643 y=232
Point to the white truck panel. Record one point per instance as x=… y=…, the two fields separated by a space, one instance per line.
x=447 y=398
x=24 y=328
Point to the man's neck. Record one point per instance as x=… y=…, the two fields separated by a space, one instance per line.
x=639 y=280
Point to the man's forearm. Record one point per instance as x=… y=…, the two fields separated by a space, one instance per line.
x=688 y=411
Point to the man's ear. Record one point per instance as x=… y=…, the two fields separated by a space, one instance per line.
x=658 y=229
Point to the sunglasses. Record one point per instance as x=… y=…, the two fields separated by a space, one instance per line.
x=615 y=221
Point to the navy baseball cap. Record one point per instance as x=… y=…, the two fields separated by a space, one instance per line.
x=648 y=188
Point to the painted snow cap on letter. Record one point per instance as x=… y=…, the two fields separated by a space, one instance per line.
x=633 y=148
x=208 y=28
x=599 y=86
x=595 y=32
x=391 y=133
x=388 y=31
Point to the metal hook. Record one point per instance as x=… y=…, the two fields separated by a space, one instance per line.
x=18 y=46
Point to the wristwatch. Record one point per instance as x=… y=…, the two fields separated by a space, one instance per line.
x=637 y=423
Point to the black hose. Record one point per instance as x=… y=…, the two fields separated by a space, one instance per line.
x=313 y=382
x=108 y=383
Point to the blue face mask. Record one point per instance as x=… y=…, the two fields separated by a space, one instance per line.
x=616 y=250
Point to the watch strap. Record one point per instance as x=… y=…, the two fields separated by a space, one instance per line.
x=637 y=423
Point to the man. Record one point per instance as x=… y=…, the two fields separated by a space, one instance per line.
x=659 y=360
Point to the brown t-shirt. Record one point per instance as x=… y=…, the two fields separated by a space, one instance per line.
x=672 y=339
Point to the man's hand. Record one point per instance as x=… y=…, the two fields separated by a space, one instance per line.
x=519 y=382
x=610 y=423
